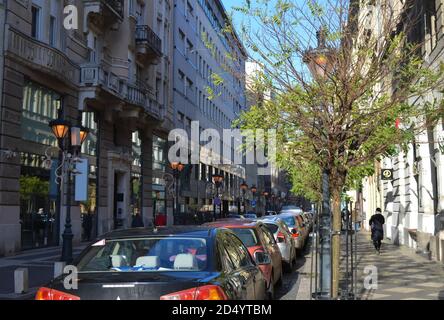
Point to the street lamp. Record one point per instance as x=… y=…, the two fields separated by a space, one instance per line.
x=244 y=188
x=68 y=157
x=177 y=167
x=320 y=64
x=217 y=180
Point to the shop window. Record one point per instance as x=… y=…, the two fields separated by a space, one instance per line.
x=40 y=106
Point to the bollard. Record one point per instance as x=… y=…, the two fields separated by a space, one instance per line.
x=21 y=283
x=58 y=268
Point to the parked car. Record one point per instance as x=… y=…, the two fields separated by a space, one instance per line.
x=270 y=213
x=170 y=263
x=295 y=228
x=284 y=239
x=302 y=223
x=250 y=216
x=309 y=219
x=261 y=245
x=235 y=216
x=293 y=208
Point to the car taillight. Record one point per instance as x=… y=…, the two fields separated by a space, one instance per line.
x=281 y=237
x=209 y=292
x=51 y=294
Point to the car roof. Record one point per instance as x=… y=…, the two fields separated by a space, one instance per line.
x=285 y=214
x=238 y=223
x=194 y=231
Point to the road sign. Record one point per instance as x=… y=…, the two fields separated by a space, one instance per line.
x=253 y=203
x=386 y=174
x=217 y=201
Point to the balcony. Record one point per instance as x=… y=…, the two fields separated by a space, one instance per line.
x=40 y=56
x=148 y=44
x=103 y=13
x=99 y=84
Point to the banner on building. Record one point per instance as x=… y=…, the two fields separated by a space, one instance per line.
x=53 y=186
x=81 y=192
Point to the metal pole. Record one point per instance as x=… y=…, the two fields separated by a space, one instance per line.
x=313 y=258
x=317 y=285
x=355 y=278
x=67 y=233
x=325 y=240
x=347 y=218
x=351 y=246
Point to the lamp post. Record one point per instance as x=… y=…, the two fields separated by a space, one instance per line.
x=217 y=180
x=319 y=62
x=177 y=167
x=244 y=188
x=69 y=140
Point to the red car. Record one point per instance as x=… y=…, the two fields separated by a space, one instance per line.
x=262 y=246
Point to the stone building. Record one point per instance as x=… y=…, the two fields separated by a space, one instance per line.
x=108 y=70
x=201 y=53
x=412 y=201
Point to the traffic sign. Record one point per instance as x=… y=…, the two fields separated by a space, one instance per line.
x=217 y=201
x=253 y=203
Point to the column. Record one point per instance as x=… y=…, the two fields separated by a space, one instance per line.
x=147 y=177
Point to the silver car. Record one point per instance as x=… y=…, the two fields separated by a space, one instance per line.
x=284 y=240
x=295 y=228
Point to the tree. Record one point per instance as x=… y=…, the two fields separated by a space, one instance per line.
x=340 y=122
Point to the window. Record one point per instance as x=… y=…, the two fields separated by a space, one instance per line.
x=40 y=105
x=35 y=23
x=245 y=258
x=248 y=236
x=52 y=31
x=267 y=235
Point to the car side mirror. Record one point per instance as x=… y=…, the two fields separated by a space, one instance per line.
x=262 y=258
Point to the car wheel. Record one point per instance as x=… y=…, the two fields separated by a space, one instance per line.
x=289 y=265
x=271 y=289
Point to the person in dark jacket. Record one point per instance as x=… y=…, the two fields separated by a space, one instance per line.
x=376 y=223
x=137 y=221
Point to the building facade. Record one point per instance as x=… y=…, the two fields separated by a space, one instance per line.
x=201 y=54
x=106 y=65
x=413 y=199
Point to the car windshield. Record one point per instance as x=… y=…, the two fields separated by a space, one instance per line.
x=289 y=221
x=272 y=227
x=247 y=236
x=146 y=255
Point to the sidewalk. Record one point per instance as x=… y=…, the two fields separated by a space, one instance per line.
x=401 y=273
x=40 y=264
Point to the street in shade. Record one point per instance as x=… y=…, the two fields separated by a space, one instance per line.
x=232 y=259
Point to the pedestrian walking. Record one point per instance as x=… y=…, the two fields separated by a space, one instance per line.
x=376 y=223
x=137 y=221
x=87 y=225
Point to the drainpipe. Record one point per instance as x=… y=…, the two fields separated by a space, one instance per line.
x=3 y=7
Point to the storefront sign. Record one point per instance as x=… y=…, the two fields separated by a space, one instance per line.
x=386 y=174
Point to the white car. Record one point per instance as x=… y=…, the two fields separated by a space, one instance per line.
x=284 y=240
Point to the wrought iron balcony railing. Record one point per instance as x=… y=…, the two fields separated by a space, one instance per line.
x=144 y=35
